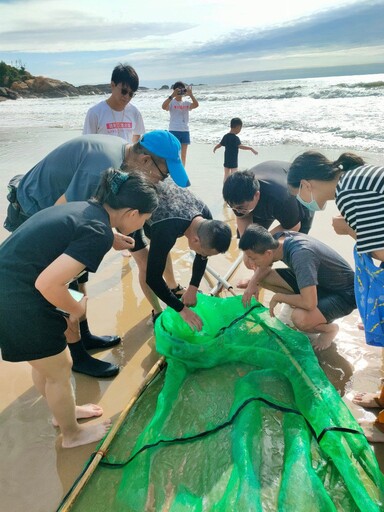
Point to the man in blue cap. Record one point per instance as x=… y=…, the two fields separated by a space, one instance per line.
x=72 y=172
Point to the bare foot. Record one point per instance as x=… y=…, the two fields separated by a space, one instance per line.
x=84 y=411
x=324 y=339
x=87 y=434
x=243 y=283
x=373 y=431
x=360 y=326
x=368 y=400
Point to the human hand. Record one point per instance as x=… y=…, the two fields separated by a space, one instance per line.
x=72 y=332
x=340 y=225
x=250 y=291
x=122 y=242
x=192 y=319
x=272 y=304
x=189 y=297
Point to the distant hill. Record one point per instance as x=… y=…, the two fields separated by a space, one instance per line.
x=16 y=82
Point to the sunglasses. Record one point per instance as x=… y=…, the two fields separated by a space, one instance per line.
x=124 y=92
x=160 y=171
x=242 y=211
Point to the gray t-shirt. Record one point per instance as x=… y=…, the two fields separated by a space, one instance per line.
x=316 y=264
x=73 y=169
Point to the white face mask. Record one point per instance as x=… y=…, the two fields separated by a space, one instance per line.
x=311 y=205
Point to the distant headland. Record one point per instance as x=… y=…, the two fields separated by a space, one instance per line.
x=17 y=82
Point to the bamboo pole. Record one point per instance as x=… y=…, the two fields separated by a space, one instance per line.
x=155 y=370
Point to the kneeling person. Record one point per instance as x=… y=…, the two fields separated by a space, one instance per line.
x=181 y=213
x=318 y=283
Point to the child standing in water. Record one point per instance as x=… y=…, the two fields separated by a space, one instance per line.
x=37 y=262
x=232 y=144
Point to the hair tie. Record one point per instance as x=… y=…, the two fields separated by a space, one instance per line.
x=116 y=180
x=341 y=167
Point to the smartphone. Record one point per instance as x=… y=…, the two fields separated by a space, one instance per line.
x=76 y=295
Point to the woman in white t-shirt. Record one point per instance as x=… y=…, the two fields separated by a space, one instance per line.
x=179 y=114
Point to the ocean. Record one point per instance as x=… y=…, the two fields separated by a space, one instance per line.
x=345 y=113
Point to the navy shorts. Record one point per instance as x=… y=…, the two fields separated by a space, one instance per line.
x=183 y=137
x=331 y=305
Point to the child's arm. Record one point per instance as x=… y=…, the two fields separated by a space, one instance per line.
x=166 y=103
x=248 y=148
x=52 y=284
x=195 y=103
x=217 y=147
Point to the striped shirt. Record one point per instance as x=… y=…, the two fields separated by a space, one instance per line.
x=360 y=199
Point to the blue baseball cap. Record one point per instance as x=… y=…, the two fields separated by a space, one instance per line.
x=165 y=145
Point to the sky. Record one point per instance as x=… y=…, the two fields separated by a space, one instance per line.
x=199 y=41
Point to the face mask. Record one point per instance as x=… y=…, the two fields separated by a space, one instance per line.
x=312 y=205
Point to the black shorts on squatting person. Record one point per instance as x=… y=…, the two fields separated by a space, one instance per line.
x=31 y=332
x=331 y=305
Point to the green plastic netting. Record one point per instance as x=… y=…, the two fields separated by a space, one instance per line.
x=243 y=419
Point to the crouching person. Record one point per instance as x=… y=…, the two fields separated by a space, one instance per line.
x=318 y=284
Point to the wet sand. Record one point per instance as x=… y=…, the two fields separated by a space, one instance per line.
x=36 y=471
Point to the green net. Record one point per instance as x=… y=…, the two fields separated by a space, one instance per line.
x=242 y=419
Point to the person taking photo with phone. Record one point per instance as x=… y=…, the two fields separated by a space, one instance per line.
x=179 y=114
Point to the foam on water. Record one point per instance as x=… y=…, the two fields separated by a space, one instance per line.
x=337 y=112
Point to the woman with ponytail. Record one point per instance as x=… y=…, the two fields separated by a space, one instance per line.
x=37 y=311
x=358 y=189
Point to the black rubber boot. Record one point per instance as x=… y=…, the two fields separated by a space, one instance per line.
x=91 y=341
x=84 y=363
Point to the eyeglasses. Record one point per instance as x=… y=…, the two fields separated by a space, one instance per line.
x=241 y=210
x=125 y=91
x=158 y=168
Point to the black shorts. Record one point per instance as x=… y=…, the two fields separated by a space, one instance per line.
x=31 y=332
x=331 y=305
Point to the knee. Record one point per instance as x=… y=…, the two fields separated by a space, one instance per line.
x=301 y=320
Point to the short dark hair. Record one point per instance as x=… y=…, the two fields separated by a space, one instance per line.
x=125 y=75
x=312 y=165
x=236 y=121
x=179 y=85
x=257 y=239
x=214 y=234
x=118 y=191
x=239 y=187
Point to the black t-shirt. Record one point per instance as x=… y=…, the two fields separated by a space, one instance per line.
x=177 y=209
x=80 y=229
x=231 y=142
x=276 y=203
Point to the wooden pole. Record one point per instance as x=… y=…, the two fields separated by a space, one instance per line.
x=155 y=370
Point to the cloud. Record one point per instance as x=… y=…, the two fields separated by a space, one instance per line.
x=66 y=31
x=349 y=26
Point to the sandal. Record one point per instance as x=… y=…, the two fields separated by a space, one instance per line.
x=178 y=291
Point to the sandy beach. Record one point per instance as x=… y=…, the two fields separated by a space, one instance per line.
x=32 y=461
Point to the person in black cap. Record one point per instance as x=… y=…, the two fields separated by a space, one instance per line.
x=71 y=172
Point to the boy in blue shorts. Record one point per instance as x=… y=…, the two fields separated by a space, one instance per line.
x=232 y=144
